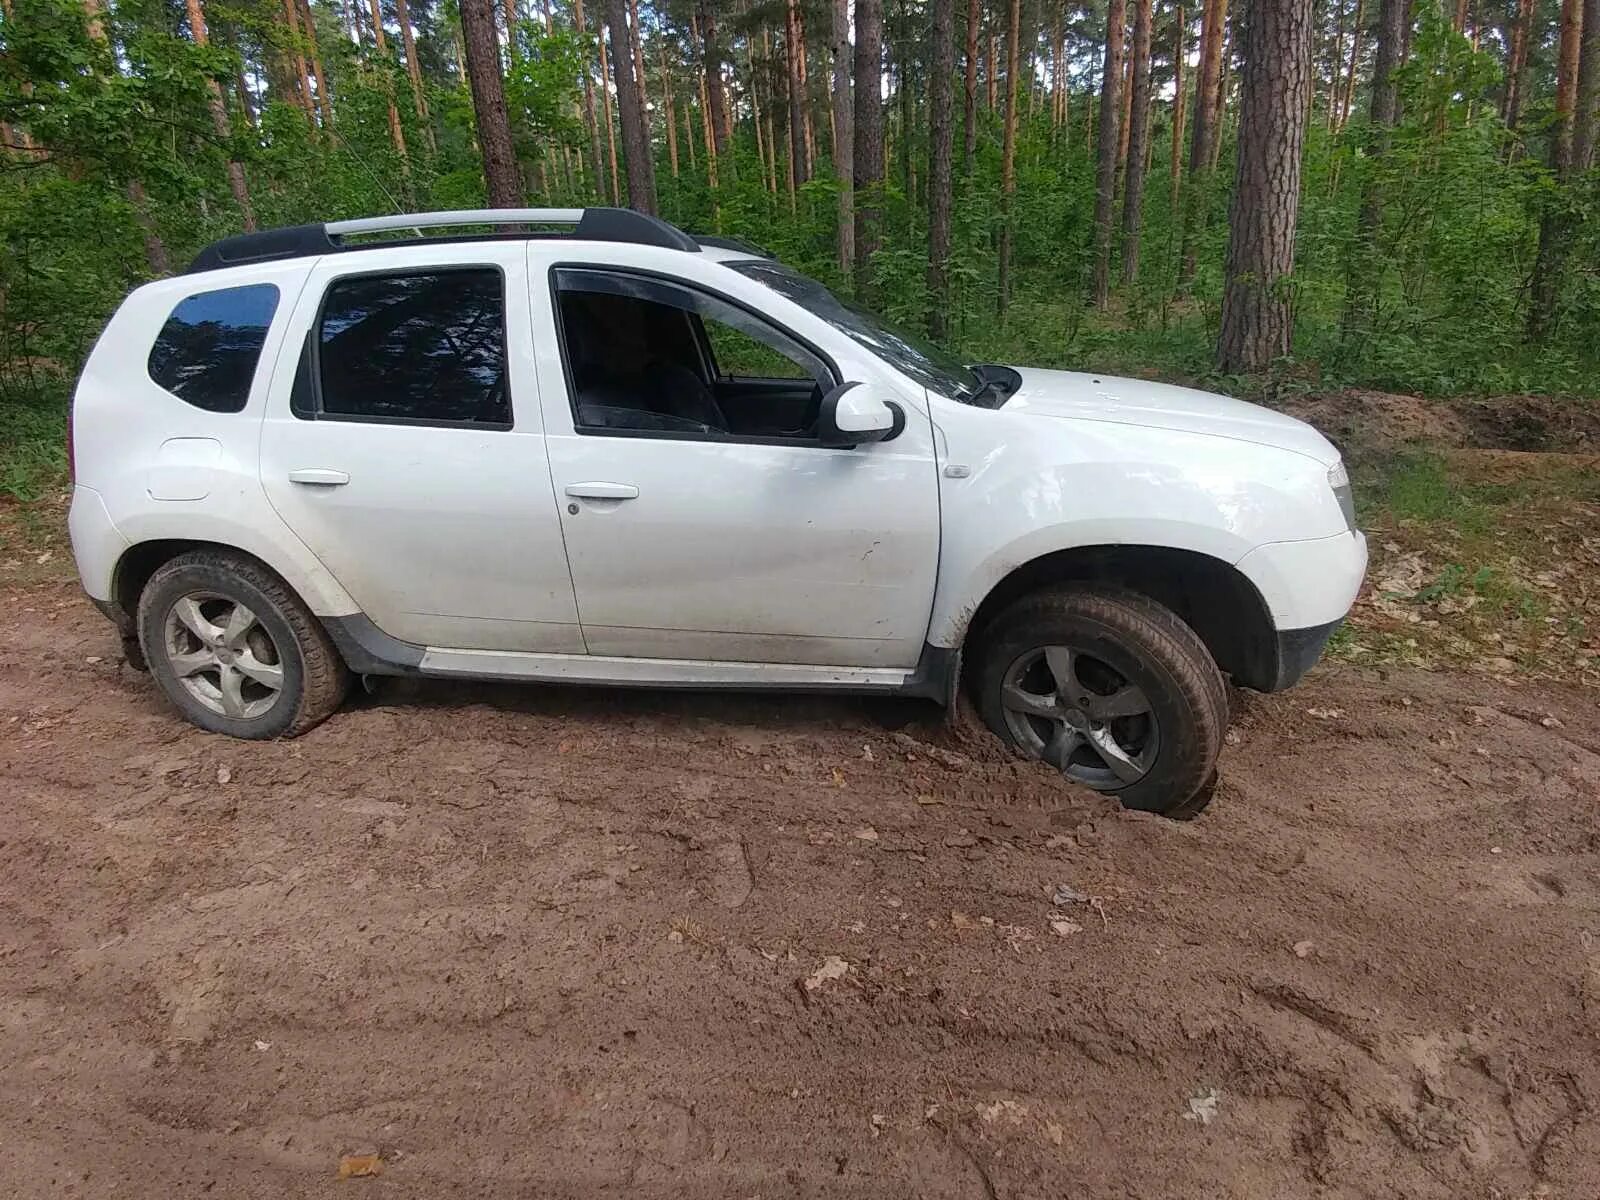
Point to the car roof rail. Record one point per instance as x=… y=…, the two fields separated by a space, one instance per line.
x=297 y=241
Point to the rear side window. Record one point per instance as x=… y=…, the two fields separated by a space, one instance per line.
x=426 y=348
x=206 y=353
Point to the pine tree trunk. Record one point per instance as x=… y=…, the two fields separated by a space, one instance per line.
x=793 y=53
x=482 y=45
x=1205 y=134
x=671 y=108
x=219 y=121
x=1219 y=102
x=969 y=130
x=1126 y=121
x=596 y=163
x=714 y=92
x=1555 y=225
x=868 y=156
x=318 y=75
x=1257 y=307
x=941 y=135
x=397 y=133
x=843 y=135
x=636 y=40
x=1175 y=163
x=1585 y=118
x=291 y=15
x=1008 y=153
x=611 y=126
x=1518 y=60
x=1365 y=264
x=992 y=79
x=636 y=154
x=155 y=250
x=704 y=74
x=1108 y=143
x=805 y=91
x=408 y=44
x=1356 y=31
x=1138 y=140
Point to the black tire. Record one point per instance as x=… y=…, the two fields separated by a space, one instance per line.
x=314 y=678
x=1127 y=641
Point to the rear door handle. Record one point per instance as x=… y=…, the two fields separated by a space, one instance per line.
x=602 y=491
x=320 y=477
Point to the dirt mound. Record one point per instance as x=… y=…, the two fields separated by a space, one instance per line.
x=520 y=941
x=1365 y=422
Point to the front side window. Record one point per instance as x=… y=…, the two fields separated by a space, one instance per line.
x=649 y=355
x=930 y=366
x=425 y=348
x=207 y=352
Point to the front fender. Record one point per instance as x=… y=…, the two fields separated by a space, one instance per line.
x=1046 y=484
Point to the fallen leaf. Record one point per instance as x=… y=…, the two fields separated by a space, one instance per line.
x=224 y=775
x=1305 y=949
x=1009 y=1109
x=867 y=834
x=260 y=1045
x=1203 y=1107
x=1062 y=927
x=357 y=1166
x=833 y=967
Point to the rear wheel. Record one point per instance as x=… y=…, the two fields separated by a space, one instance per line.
x=1111 y=689
x=235 y=650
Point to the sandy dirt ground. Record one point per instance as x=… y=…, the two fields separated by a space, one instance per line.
x=542 y=943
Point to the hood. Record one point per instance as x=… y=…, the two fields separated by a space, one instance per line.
x=1086 y=397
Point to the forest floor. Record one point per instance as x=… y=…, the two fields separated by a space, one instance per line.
x=537 y=942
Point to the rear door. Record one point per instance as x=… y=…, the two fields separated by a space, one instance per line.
x=403 y=443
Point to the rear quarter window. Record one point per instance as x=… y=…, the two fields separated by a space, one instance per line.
x=207 y=352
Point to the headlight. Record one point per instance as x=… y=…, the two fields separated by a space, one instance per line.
x=1339 y=481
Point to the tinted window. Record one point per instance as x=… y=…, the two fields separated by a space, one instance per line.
x=207 y=351
x=428 y=347
x=928 y=365
x=646 y=354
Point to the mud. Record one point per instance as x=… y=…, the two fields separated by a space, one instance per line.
x=542 y=942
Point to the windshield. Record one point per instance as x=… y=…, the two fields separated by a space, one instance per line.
x=928 y=365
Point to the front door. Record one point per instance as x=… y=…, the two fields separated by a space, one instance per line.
x=403 y=443
x=702 y=519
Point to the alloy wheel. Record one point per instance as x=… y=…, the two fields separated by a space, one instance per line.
x=222 y=655
x=1081 y=715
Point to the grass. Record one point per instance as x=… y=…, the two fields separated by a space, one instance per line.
x=33 y=447
x=1480 y=559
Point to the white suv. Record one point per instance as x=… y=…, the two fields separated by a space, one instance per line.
x=617 y=454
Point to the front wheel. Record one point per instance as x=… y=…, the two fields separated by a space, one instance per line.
x=1111 y=689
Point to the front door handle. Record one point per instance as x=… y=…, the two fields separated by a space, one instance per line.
x=320 y=477
x=602 y=491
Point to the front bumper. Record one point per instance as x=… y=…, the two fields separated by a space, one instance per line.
x=1308 y=584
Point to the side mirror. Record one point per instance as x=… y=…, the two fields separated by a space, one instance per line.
x=856 y=413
